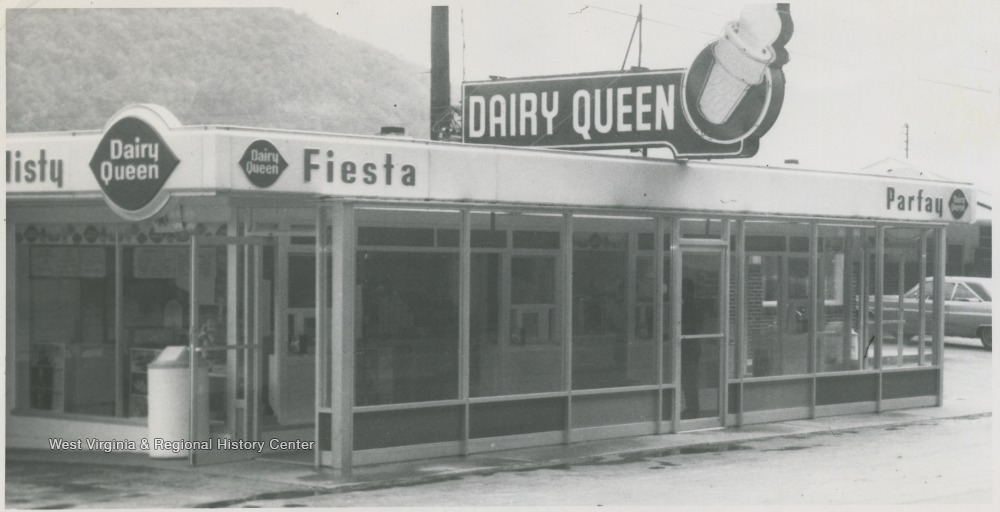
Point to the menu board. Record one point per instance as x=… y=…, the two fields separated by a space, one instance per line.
x=63 y=261
x=175 y=263
x=158 y=262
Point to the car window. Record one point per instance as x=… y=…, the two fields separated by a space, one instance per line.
x=964 y=294
x=949 y=288
x=981 y=291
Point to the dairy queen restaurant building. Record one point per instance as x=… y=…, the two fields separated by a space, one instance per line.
x=352 y=300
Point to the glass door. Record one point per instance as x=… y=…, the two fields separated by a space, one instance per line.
x=793 y=310
x=703 y=311
x=226 y=340
x=292 y=366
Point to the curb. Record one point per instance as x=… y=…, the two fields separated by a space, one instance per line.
x=627 y=455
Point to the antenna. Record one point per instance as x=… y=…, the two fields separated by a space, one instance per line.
x=906 y=141
x=640 y=36
x=636 y=27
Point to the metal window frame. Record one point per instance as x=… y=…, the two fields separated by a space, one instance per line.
x=564 y=291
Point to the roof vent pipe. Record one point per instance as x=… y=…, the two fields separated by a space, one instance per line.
x=397 y=131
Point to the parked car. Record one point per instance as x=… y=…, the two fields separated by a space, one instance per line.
x=968 y=308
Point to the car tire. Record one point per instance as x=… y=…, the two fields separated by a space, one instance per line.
x=986 y=337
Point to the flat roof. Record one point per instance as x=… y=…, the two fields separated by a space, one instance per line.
x=323 y=165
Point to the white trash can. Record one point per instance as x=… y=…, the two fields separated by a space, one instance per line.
x=169 y=403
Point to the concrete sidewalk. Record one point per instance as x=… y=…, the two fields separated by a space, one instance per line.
x=113 y=479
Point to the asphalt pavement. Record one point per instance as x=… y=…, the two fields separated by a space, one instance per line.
x=58 y=479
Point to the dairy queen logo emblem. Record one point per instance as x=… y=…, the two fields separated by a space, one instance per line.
x=262 y=163
x=131 y=164
x=958 y=204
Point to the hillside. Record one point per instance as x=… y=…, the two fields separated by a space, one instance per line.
x=73 y=69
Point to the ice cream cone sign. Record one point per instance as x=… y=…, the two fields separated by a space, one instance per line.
x=735 y=87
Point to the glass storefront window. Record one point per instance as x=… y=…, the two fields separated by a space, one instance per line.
x=156 y=298
x=605 y=353
x=600 y=318
x=645 y=281
x=407 y=332
x=778 y=300
x=71 y=356
x=485 y=365
x=702 y=228
x=930 y=356
x=407 y=310
x=70 y=349
x=645 y=318
x=515 y=336
x=533 y=307
x=527 y=357
x=837 y=339
x=901 y=307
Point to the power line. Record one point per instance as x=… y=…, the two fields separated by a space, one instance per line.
x=682 y=27
x=966 y=87
x=695 y=9
x=797 y=52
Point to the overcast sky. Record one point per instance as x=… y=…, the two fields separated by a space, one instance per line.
x=859 y=69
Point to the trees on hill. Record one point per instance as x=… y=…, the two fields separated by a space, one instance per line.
x=73 y=68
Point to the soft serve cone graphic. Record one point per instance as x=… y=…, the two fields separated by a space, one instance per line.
x=741 y=57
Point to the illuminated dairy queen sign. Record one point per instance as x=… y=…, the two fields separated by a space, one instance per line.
x=131 y=164
x=719 y=107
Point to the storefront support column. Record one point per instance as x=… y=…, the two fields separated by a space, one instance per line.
x=658 y=326
x=900 y=296
x=464 y=299
x=566 y=308
x=815 y=304
x=922 y=299
x=342 y=337
x=940 y=253
x=323 y=360
x=193 y=358
x=675 y=320
x=741 y=313
x=879 y=317
x=724 y=291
